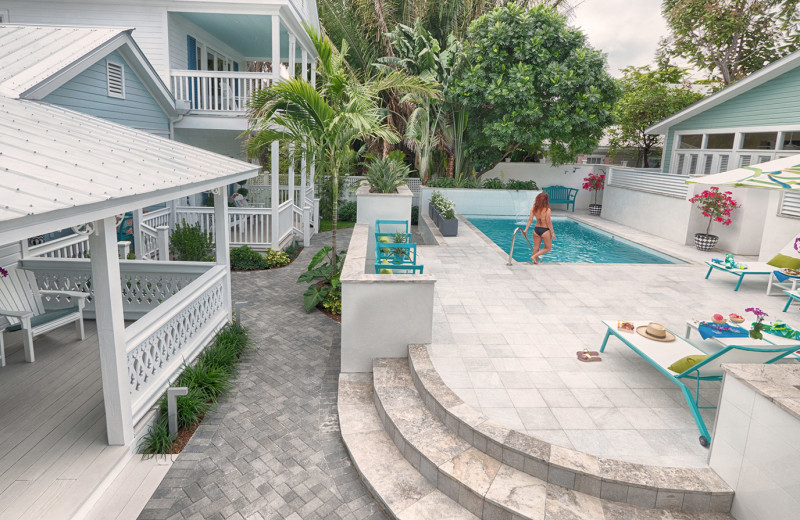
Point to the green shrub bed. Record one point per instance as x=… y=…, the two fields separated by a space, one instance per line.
x=486 y=184
x=207 y=380
x=245 y=259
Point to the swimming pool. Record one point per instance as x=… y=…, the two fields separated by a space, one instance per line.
x=575 y=242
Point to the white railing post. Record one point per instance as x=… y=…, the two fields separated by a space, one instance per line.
x=173 y=213
x=306 y=224
x=292 y=58
x=23 y=247
x=222 y=241
x=304 y=61
x=123 y=247
x=316 y=216
x=138 y=239
x=110 y=320
x=163 y=243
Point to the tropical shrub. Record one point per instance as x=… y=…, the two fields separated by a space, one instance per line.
x=514 y=184
x=333 y=301
x=273 y=259
x=348 y=211
x=445 y=207
x=323 y=273
x=386 y=174
x=494 y=183
x=190 y=244
x=245 y=259
x=414 y=215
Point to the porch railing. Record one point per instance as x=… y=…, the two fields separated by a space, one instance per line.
x=217 y=91
x=145 y=285
x=72 y=246
x=248 y=226
x=665 y=184
x=173 y=335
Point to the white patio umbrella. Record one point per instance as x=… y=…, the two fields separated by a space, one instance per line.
x=780 y=174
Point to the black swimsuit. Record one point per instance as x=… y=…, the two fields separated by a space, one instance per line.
x=540 y=230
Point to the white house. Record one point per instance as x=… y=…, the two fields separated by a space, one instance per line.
x=754 y=120
x=84 y=138
x=212 y=55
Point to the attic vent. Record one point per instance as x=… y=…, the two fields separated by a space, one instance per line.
x=115 y=74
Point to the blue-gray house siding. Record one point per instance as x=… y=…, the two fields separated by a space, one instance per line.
x=775 y=103
x=88 y=93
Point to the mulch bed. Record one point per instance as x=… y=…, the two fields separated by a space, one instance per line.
x=335 y=317
x=184 y=434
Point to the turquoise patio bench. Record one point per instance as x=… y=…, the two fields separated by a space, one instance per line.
x=661 y=355
x=562 y=195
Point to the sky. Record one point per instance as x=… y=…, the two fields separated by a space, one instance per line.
x=628 y=31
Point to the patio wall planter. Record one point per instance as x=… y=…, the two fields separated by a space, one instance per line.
x=448 y=227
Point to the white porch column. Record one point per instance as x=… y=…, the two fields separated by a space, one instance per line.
x=111 y=332
x=138 y=216
x=304 y=62
x=314 y=73
x=222 y=252
x=291 y=174
x=292 y=57
x=275 y=149
x=306 y=211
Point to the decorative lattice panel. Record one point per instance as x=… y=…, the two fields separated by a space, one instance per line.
x=167 y=342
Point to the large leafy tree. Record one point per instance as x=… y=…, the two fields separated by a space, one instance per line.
x=648 y=96
x=731 y=38
x=325 y=123
x=530 y=80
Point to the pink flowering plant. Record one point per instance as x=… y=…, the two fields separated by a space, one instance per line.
x=758 y=325
x=3 y=272
x=716 y=205
x=594 y=182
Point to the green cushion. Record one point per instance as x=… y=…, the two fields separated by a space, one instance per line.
x=785 y=262
x=47 y=317
x=384 y=240
x=684 y=364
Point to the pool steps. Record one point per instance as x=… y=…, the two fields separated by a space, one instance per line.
x=490 y=471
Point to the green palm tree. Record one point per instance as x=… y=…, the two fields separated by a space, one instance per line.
x=324 y=122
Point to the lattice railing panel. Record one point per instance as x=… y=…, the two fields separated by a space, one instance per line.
x=155 y=351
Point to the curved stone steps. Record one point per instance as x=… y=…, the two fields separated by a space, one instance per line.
x=691 y=490
x=395 y=484
x=480 y=482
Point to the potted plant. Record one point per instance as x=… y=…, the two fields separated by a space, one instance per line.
x=717 y=206
x=436 y=200
x=386 y=174
x=594 y=183
x=445 y=217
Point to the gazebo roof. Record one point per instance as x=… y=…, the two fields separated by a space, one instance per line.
x=60 y=168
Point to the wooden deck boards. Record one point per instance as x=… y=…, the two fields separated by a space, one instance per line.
x=53 y=449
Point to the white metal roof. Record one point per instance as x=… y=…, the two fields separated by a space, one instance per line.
x=29 y=54
x=60 y=168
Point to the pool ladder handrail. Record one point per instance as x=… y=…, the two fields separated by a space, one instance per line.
x=514 y=239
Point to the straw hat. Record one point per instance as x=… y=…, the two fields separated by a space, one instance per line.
x=656 y=332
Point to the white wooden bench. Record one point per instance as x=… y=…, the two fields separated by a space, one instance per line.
x=22 y=306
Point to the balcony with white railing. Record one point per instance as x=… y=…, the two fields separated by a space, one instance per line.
x=217 y=92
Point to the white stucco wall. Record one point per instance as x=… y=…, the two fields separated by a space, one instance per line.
x=778 y=230
x=381 y=314
x=666 y=217
x=755 y=452
x=569 y=175
x=483 y=202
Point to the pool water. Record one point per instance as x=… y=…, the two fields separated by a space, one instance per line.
x=575 y=242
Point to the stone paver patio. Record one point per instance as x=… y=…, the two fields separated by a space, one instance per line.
x=505 y=340
x=272 y=449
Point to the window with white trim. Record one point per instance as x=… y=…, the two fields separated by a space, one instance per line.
x=115 y=75
x=594 y=159
x=722 y=149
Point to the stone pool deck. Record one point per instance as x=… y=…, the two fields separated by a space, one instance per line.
x=505 y=341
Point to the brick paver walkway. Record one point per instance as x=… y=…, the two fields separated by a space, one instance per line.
x=272 y=448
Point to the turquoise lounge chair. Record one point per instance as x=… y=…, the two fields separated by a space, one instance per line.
x=663 y=354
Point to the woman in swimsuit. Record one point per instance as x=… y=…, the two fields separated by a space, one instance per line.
x=543 y=230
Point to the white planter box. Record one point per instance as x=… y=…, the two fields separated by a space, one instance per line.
x=382 y=206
